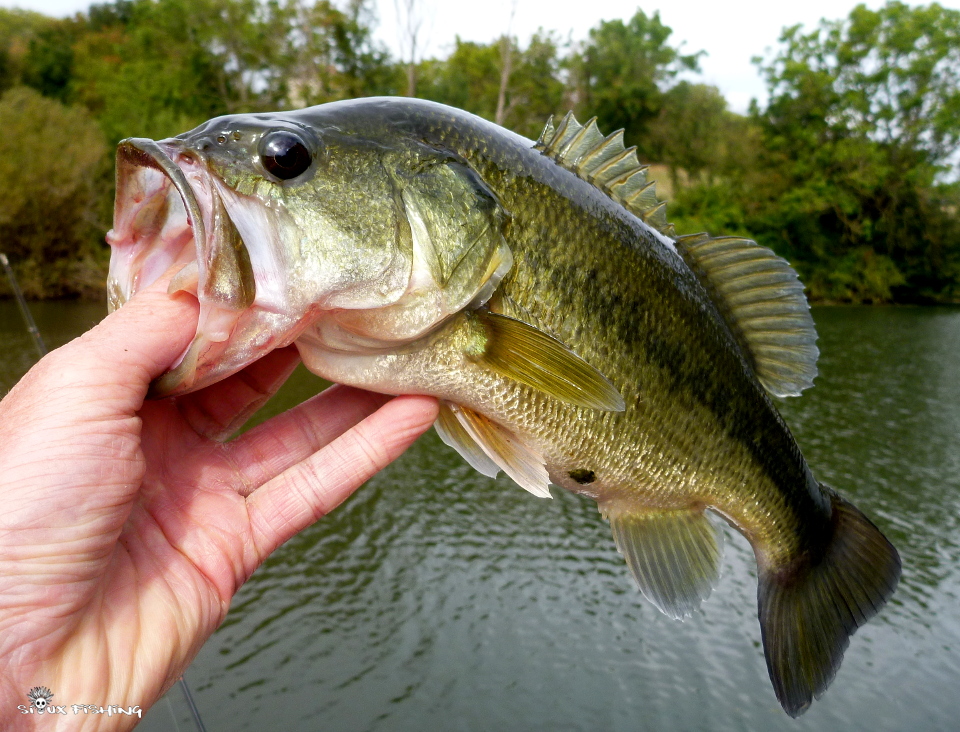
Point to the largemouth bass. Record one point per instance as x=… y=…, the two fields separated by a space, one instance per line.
x=537 y=290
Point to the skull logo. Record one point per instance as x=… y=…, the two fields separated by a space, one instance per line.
x=40 y=696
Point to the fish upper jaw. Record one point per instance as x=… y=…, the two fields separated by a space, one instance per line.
x=152 y=229
x=170 y=213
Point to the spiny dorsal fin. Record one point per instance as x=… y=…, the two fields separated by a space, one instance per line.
x=673 y=554
x=762 y=300
x=607 y=164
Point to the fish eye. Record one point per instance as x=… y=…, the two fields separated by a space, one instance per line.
x=284 y=154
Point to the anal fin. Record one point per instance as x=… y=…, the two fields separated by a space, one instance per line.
x=518 y=460
x=673 y=554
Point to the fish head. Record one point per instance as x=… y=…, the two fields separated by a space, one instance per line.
x=278 y=223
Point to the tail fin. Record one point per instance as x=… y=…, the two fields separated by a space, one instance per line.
x=808 y=615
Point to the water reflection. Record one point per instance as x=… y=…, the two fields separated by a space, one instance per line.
x=882 y=425
x=58 y=321
x=439 y=599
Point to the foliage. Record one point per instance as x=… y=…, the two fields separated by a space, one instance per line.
x=18 y=29
x=334 y=55
x=49 y=223
x=48 y=64
x=696 y=133
x=850 y=170
x=890 y=75
x=706 y=207
x=189 y=60
x=863 y=119
x=620 y=72
x=140 y=71
x=470 y=79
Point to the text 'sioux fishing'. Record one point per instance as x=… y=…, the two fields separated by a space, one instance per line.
x=537 y=290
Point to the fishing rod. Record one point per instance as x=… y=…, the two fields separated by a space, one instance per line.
x=42 y=350
x=190 y=703
x=24 y=310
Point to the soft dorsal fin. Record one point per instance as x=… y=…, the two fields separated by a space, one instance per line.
x=607 y=164
x=762 y=300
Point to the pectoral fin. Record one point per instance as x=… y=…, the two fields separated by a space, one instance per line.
x=674 y=555
x=519 y=351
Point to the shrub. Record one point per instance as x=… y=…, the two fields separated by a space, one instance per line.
x=53 y=165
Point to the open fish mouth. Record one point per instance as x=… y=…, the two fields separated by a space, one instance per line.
x=170 y=213
x=157 y=219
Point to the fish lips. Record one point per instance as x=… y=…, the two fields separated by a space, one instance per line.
x=168 y=212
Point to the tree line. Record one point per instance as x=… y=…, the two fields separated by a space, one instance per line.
x=849 y=170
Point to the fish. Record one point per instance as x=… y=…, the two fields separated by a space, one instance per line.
x=536 y=289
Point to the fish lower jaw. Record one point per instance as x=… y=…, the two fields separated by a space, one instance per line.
x=385 y=372
x=226 y=342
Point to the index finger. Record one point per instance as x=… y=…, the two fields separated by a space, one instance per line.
x=311 y=489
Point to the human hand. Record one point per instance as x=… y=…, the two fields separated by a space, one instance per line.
x=125 y=531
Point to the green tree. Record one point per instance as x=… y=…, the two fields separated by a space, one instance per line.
x=6 y=72
x=620 y=72
x=366 y=64
x=334 y=56
x=143 y=69
x=49 y=223
x=861 y=128
x=246 y=41
x=19 y=30
x=698 y=137
x=891 y=75
x=48 y=65
x=535 y=90
x=470 y=78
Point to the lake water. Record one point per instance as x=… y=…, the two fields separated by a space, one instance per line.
x=437 y=599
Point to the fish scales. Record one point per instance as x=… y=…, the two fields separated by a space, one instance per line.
x=537 y=291
x=582 y=259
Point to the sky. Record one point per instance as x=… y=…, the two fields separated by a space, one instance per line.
x=731 y=32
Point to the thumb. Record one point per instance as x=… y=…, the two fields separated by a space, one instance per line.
x=143 y=338
x=110 y=367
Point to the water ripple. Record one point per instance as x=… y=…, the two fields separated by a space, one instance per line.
x=436 y=598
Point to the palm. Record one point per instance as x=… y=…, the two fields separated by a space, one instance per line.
x=130 y=525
